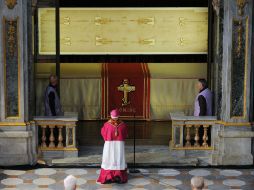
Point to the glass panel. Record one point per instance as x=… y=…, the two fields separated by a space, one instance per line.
x=139 y=30
x=43 y=71
x=46 y=30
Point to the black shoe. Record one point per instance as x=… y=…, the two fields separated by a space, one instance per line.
x=117 y=179
x=108 y=181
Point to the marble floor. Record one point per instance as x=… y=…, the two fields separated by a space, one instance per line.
x=148 y=179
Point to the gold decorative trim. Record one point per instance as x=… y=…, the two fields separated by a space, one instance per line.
x=239 y=37
x=241 y=4
x=247 y=124
x=58 y=149
x=11 y=3
x=11 y=37
x=18 y=59
x=196 y=120
x=216 y=6
x=56 y=121
x=193 y=148
x=13 y=124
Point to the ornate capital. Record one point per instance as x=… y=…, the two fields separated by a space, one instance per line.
x=12 y=32
x=216 y=6
x=34 y=5
x=241 y=4
x=11 y=3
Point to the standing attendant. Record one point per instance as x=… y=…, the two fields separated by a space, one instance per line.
x=113 y=167
x=203 y=106
x=51 y=99
x=203 y=101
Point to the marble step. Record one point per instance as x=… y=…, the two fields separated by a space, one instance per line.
x=146 y=156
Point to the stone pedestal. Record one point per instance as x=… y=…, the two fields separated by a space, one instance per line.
x=233 y=146
x=17 y=148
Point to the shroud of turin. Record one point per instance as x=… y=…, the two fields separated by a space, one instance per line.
x=180 y=74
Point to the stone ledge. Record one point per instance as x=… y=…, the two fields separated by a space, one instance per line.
x=236 y=134
x=14 y=159
x=51 y=154
x=16 y=134
x=244 y=159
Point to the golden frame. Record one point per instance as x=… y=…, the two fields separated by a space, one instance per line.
x=245 y=72
x=4 y=57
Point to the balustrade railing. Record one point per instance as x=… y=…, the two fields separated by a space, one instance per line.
x=56 y=133
x=190 y=132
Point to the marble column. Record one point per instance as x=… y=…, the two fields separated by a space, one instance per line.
x=233 y=100
x=17 y=137
x=217 y=55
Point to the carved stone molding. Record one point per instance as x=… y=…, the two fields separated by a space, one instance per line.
x=241 y=4
x=34 y=5
x=11 y=3
x=11 y=68
x=11 y=37
x=239 y=37
x=216 y=6
x=239 y=68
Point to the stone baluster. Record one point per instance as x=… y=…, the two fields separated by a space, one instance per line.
x=196 y=136
x=205 y=137
x=43 y=137
x=60 y=137
x=188 y=137
x=51 y=137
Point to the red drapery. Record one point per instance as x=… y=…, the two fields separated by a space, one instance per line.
x=137 y=84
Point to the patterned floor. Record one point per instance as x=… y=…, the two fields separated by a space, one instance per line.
x=150 y=179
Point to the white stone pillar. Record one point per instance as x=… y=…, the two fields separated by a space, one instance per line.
x=17 y=137
x=235 y=99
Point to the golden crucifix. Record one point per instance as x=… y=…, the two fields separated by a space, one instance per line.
x=125 y=88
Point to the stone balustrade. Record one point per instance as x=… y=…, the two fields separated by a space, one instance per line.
x=57 y=135
x=195 y=133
